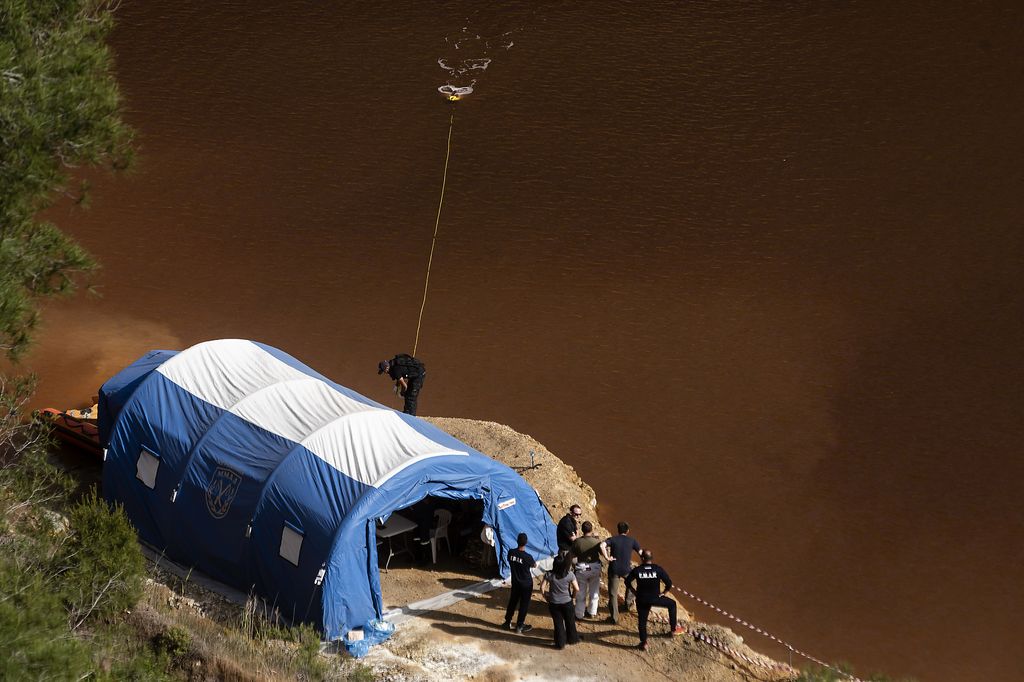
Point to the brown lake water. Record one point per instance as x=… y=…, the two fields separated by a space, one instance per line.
x=754 y=269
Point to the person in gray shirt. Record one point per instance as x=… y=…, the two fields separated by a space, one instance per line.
x=559 y=587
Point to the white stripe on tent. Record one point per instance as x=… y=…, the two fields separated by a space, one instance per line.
x=296 y=408
x=344 y=442
x=369 y=444
x=225 y=371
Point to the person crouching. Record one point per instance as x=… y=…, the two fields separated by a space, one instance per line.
x=646 y=580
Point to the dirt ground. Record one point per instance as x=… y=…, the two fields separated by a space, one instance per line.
x=465 y=640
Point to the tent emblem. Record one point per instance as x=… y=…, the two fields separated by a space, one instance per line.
x=221 y=491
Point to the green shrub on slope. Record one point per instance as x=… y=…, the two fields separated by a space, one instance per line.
x=34 y=638
x=100 y=567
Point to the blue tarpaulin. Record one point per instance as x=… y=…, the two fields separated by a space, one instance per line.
x=237 y=459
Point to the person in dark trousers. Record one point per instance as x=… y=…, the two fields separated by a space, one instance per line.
x=407 y=372
x=559 y=587
x=646 y=581
x=568 y=528
x=621 y=548
x=521 y=585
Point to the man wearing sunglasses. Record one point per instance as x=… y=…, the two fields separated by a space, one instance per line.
x=569 y=528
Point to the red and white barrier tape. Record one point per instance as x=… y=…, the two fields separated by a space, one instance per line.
x=724 y=647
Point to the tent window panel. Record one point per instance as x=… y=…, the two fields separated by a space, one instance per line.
x=291 y=543
x=146 y=468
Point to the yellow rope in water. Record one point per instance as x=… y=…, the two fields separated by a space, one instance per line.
x=437 y=222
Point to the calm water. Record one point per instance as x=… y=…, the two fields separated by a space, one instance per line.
x=755 y=270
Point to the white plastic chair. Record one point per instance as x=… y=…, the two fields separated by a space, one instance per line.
x=487 y=537
x=444 y=517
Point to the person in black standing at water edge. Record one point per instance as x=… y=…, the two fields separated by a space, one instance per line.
x=522 y=585
x=645 y=580
x=407 y=373
x=621 y=548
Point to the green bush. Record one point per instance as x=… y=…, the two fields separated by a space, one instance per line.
x=176 y=641
x=60 y=108
x=362 y=673
x=309 y=651
x=123 y=655
x=26 y=476
x=34 y=639
x=101 y=567
x=140 y=666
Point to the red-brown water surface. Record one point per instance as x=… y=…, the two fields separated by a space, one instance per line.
x=755 y=270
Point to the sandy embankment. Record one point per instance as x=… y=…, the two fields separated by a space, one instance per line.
x=465 y=642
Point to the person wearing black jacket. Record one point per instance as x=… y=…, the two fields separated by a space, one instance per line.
x=407 y=372
x=646 y=580
x=568 y=528
x=520 y=561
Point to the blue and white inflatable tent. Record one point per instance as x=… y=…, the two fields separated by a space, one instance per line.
x=236 y=459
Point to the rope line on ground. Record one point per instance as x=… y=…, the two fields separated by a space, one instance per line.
x=437 y=222
x=726 y=648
